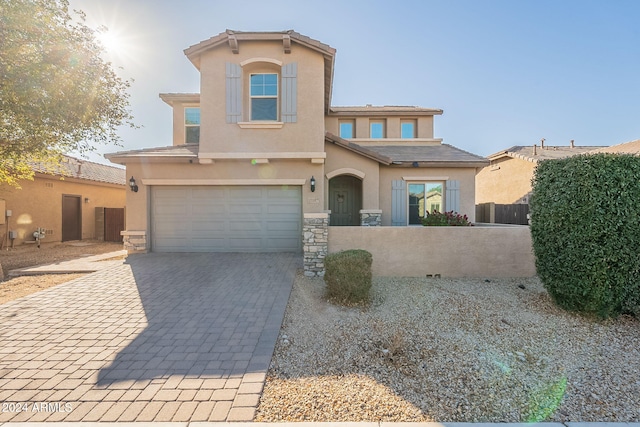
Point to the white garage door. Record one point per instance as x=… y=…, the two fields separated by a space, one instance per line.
x=226 y=219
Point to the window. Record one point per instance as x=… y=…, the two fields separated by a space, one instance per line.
x=376 y=129
x=424 y=197
x=264 y=97
x=192 y=125
x=346 y=129
x=407 y=129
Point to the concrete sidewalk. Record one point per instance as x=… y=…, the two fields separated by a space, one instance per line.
x=312 y=424
x=86 y=264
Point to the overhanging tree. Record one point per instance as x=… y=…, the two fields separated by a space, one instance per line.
x=57 y=93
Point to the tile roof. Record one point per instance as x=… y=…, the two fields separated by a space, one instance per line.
x=440 y=155
x=384 y=110
x=526 y=152
x=72 y=167
x=172 y=151
x=631 y=147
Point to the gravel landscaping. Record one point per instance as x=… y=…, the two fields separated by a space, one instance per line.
x=450 y=350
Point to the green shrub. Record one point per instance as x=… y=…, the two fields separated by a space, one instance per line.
x=447 y=218
x=348 y=276
x=585 y=227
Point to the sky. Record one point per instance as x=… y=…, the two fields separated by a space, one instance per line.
x=504 y=72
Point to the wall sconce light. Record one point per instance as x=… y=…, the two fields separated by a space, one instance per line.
x=86 y=200
x=313 y=184
x=415 y=164
x=133 y=185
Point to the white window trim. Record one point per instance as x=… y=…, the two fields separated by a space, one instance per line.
x=277 y=98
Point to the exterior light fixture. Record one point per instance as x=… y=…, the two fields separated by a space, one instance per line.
x=313 y=184
x=414 y=164
x=133 y=185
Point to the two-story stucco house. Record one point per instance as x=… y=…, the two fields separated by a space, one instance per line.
x=261 y=161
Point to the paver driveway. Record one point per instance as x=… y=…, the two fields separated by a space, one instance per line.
x=164 y=337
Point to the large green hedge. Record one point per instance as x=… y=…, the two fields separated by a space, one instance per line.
x=585 y=225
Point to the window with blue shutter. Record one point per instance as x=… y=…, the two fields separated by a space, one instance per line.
x=290 y=93
x=452 y=198
x=234 y=92
x=398 y=202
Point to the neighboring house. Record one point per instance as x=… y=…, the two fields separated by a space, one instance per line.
x=507 y=180
x=632 y=147
x=67 y=204
x=260 y=157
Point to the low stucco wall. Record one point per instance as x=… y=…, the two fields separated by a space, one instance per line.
x=480 y=251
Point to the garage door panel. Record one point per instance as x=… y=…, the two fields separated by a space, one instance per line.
x=226 y=219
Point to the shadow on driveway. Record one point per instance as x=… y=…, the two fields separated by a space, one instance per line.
x=213 y=315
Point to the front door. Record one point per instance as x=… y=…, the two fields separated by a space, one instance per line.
x=345 y=200
x=71 y=218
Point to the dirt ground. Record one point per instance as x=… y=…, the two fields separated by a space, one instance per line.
x=30 y=255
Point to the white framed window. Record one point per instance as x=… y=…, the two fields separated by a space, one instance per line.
x=264 y=97
x=407 y=129
x=347 y=128
x=377 y=129
x=424 y=198
x=192 y=125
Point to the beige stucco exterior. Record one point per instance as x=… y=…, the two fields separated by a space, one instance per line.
x=506 y=181
x=39 y=204
x=234 y=150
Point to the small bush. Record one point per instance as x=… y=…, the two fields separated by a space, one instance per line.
x=447 y=218
x=348 y=276
x=585 y=216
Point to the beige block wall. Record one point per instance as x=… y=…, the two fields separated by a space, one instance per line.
x=466 y=177
x=449 y=251
x=505 y=181
x=305 y=135
x=185 y=173
x=39 y=204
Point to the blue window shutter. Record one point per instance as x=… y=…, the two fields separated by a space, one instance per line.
x=234 y=93
x=452 y=197
x=398 y=202
x=290 y=93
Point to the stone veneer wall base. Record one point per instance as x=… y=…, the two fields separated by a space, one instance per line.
x=315 y=243
x=134 y=241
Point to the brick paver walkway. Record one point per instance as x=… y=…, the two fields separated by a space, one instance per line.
x=164 y=337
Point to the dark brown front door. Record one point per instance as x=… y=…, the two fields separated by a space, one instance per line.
x=345 y=200
x=113 y=224
x=71 y=218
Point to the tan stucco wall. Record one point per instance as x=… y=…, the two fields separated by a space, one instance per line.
x=340 y=159
x=505 y=181
x=305 y=135
x=466 y=177
x=448 y=251
x=39 y=204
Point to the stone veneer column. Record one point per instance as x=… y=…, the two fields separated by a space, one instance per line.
x=315 y=238
x=371 y=217
x=134 y=241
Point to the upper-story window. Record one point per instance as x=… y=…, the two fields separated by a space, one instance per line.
x=377 y=129
x=407 y=129
x=192 y=125
x=347 y=129
x=264 y=97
